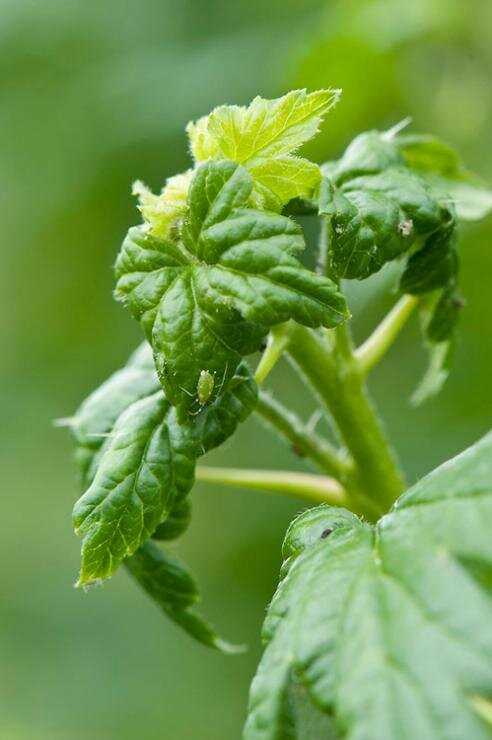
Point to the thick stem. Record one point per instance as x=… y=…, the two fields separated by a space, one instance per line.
x=304 y=441
x=333 y=371
x=376 y=346
x=316 y=489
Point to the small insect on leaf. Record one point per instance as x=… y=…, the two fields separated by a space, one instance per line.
x=205 y=387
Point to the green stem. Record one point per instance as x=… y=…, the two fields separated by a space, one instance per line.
x=333 y=371
x=304 y=441
x=316 y=489
x=376 y=346
x=277 y=341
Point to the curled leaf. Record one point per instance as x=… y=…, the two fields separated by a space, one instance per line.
x=208 y=301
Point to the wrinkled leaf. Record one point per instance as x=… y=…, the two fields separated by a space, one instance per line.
x=209 y=301
x=263 y=138
x=138 y=460
x=387 y=190
x=147 y=465
x=174 y=590
x=378 y=209
x=382 y=625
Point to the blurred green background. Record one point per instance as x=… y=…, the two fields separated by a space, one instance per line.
x=94 y=95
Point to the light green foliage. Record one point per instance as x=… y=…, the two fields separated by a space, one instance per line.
x=209 y=300
x=138 y=461
x=162 y=212
x=383 y=627
x=263 y=138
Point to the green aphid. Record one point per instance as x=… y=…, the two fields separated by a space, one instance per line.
x=205 y=387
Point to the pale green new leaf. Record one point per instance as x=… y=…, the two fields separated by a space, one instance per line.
x=383 y=626
x=210 y=300
x=263 y=137
x=162 y=212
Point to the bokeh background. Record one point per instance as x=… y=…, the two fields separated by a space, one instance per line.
x=94 y=95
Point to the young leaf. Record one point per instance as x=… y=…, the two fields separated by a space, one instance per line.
x=377 y=207
x=367 y=619
x=263 y=138
x=138 y=460
x=173 y=589
x=440 y=164
x=209 y=301
x=162 y=212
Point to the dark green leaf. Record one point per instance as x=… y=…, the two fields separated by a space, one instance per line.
x=174 y=590
x=146 y=467
x=139 y=460
x=211 y=299
x=445 y=315
x=377 y=207
x=176 y=523
x=383 y=626
x=432 y=267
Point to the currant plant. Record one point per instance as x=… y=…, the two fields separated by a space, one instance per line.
x=379 y=627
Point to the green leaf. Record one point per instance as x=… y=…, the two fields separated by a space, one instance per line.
x=438 y=369
x=377 y=208
x=162 y=212
x=432 y=267
x=147 y=466
x=138 y=460
x=369 y=153
x=210 y=300
x=97 y=415
x=439 y=316
x=174 y=590
x=384 y=626
x=446 y=173
x=176 y=523
x=263 y=137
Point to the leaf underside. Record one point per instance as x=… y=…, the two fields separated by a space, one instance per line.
x=137 y=461
x=382 y=628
